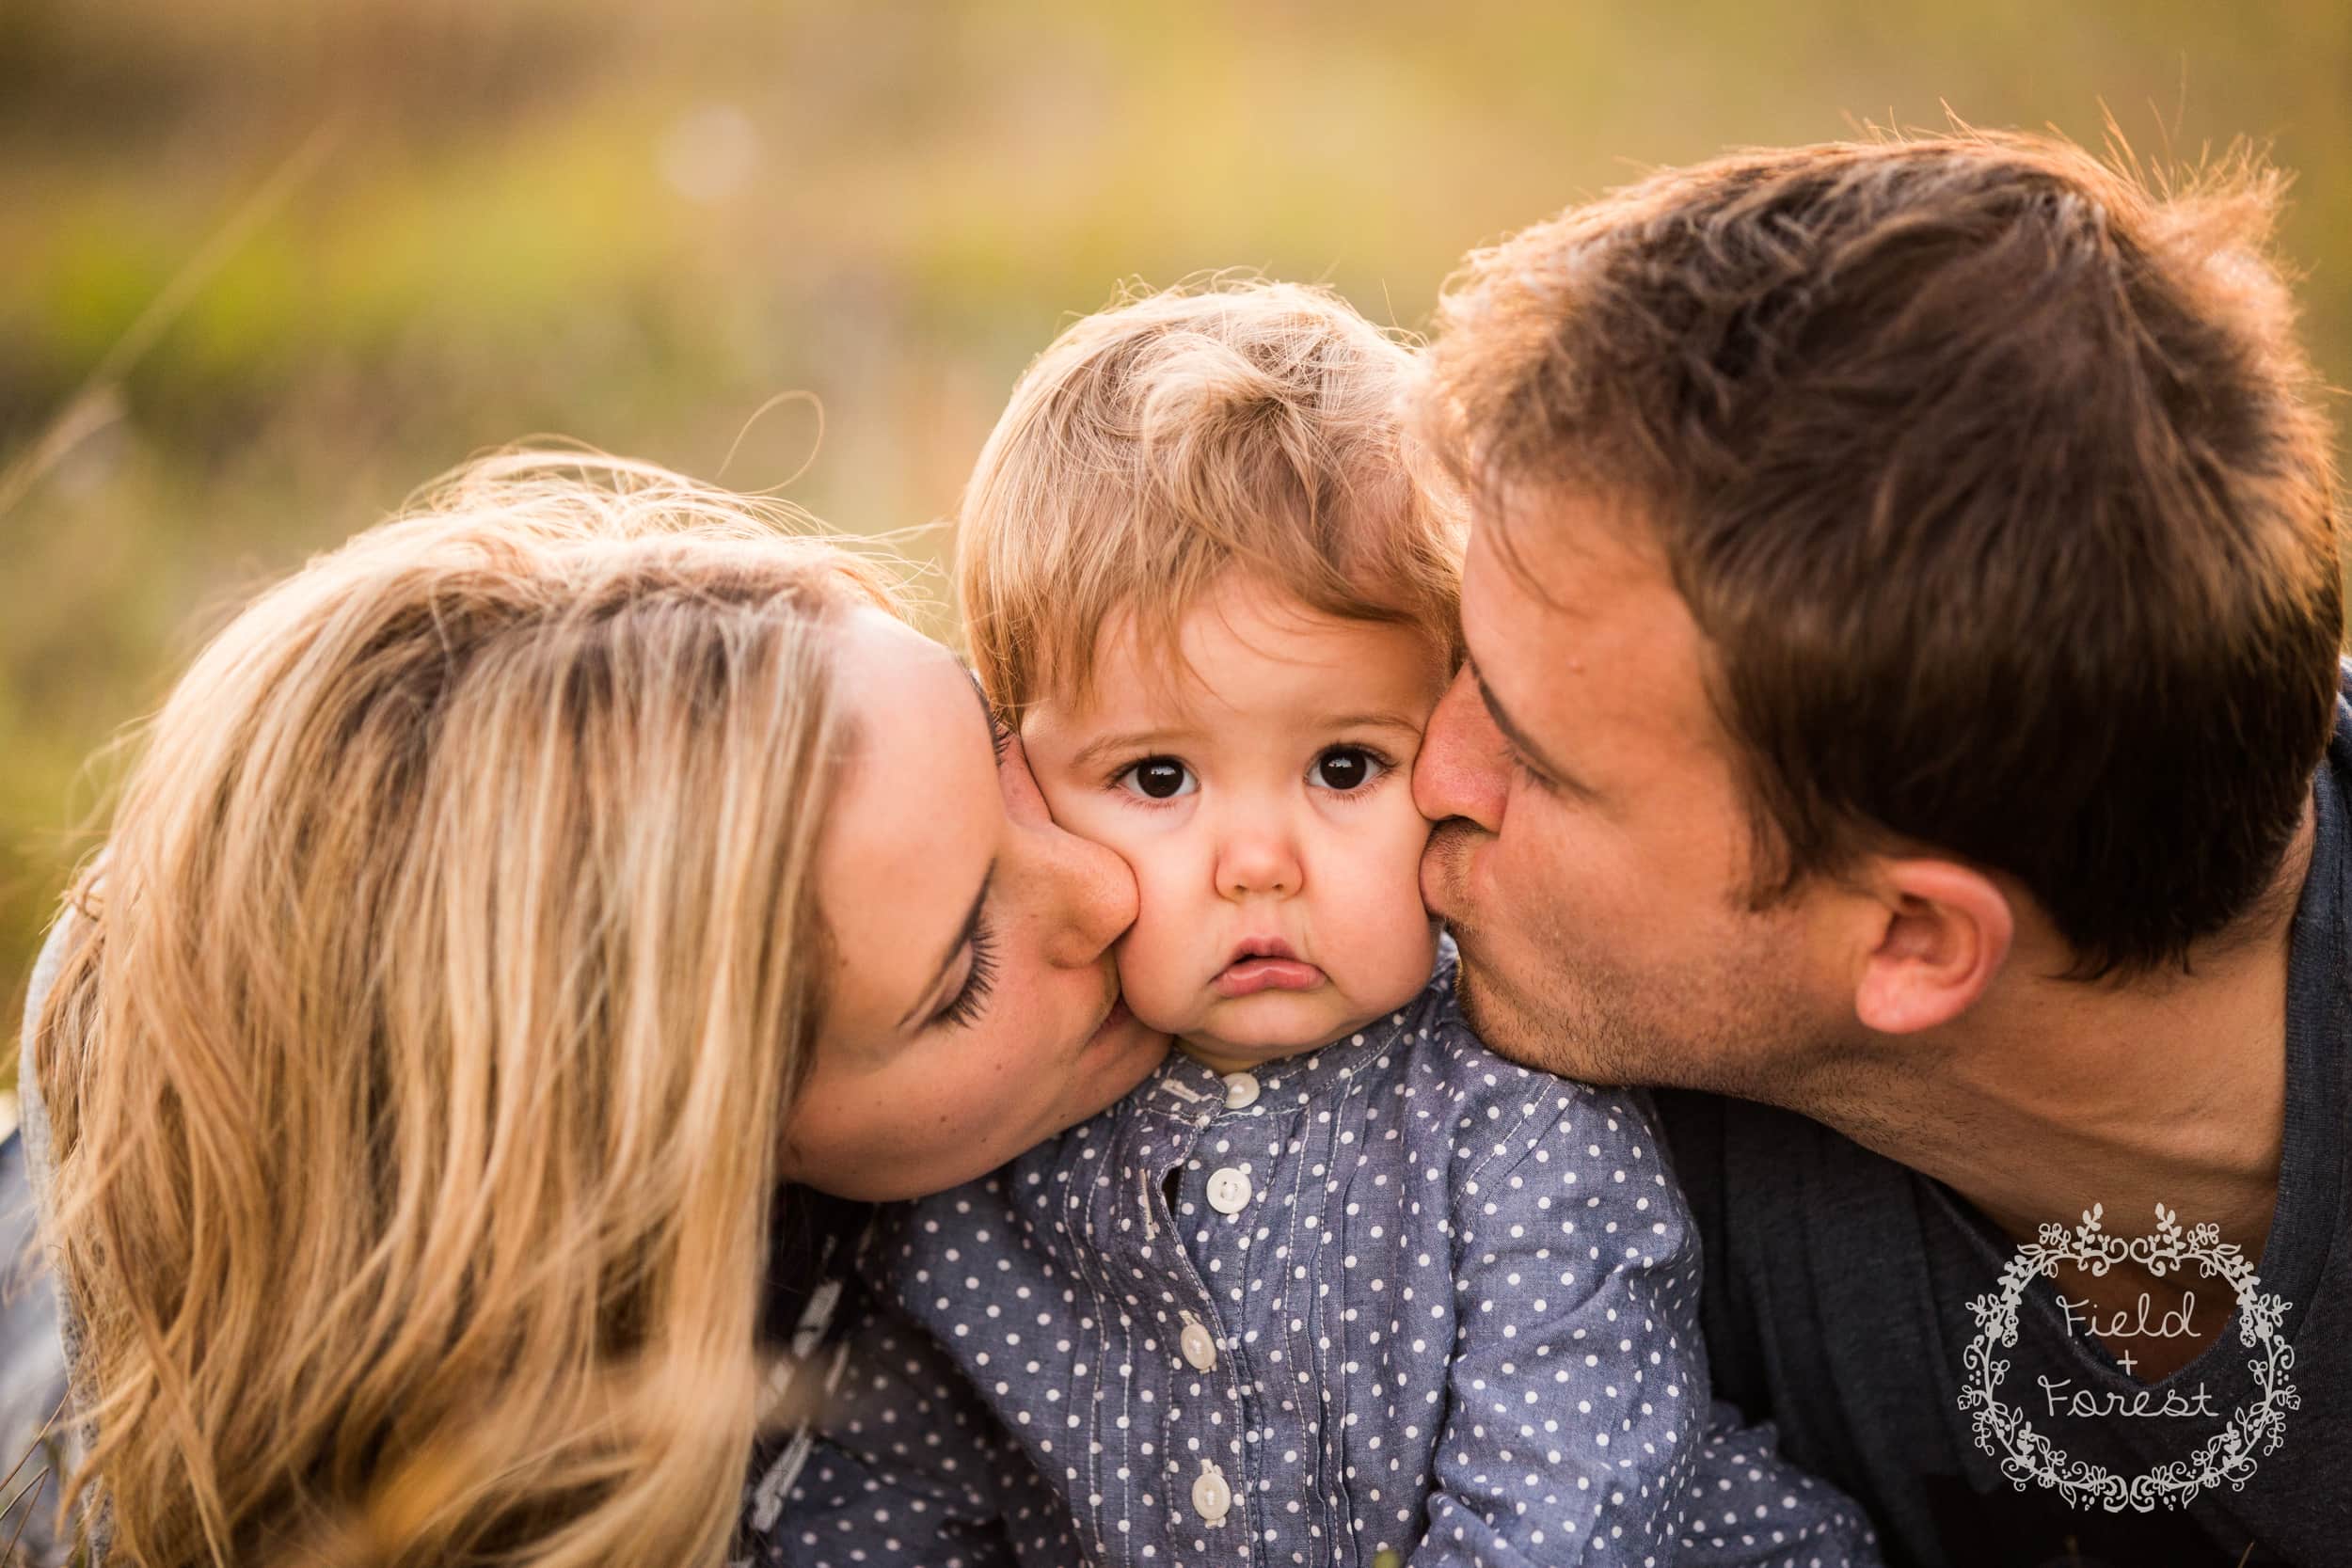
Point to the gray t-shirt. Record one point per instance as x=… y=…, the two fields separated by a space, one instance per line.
x=1836 y=1302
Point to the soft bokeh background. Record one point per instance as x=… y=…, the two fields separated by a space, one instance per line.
x=265 y=265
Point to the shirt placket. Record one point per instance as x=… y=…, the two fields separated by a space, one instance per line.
x=1299 y=1446
x=1207 y=1465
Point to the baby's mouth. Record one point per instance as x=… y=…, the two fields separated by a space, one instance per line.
x=1265 y=964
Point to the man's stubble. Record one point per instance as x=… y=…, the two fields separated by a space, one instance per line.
x=1728 y=1020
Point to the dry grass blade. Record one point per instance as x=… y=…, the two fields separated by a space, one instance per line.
x=28 y=1496
x=40 y=1444
x=98 y=401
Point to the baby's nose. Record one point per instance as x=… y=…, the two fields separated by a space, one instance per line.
x=1259 y=863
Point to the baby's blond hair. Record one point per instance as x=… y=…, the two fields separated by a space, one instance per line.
x=1162 y=442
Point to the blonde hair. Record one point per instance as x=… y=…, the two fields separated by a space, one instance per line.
x=418 y=1079
x=1158 y=444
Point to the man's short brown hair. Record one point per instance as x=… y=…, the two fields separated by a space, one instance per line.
x=1992 y=474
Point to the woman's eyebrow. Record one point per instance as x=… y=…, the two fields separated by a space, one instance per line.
x=947 y=959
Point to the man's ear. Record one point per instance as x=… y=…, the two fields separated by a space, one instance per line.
x=1941 y=934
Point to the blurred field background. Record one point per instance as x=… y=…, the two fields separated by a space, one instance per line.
x=267 y=266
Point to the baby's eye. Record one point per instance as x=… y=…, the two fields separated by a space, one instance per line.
x=1346 y=768
x=1157 y=779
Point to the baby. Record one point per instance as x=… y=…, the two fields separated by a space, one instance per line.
x=1336 y=1281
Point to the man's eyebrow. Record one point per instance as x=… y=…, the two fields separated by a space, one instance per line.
x=1519 y=737
x=947 y=959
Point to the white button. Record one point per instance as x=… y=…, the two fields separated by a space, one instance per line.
x=1200 y=1349
x=1211 y=1497
x=1241 y=1088
x=1229 y=1191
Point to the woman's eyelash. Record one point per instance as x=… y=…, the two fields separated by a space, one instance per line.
x=966 y=1006
x=999 y=733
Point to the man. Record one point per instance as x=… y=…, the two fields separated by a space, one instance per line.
x=1903 y=611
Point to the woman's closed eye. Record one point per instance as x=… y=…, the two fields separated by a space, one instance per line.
x=1156 y=779
x=965 y=1005
x=1348 y=769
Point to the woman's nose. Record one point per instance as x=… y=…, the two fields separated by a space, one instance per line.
x=1462 y=772
x=1096 y=904
x=1089 y=893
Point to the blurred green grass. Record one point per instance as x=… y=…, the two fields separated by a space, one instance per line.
x=635 y=225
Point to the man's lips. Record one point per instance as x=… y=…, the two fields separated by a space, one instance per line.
x=1444 y=867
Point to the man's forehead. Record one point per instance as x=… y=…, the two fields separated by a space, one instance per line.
x=1568 y=546
x=1560 y=607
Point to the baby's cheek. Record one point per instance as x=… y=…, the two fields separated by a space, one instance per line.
x=1409 y=942
x=1158 y=955
x=1150 y=975
x=1388 y=928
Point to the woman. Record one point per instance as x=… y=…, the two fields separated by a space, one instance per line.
x=506 y=906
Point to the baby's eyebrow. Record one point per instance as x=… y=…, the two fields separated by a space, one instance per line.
x=1129 y=741
x=1372 y=722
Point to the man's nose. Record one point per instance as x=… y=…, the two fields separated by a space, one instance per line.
x=1462 y=769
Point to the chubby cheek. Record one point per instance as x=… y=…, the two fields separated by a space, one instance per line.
x=1160 y=973
x=1160 y=956
x=1377 y=939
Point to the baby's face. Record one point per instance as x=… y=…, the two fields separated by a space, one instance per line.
x=1265 y=800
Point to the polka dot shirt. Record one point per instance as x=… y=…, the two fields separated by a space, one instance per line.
x=1396 y=1296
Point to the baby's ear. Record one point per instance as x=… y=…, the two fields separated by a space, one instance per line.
x=1940 y=932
